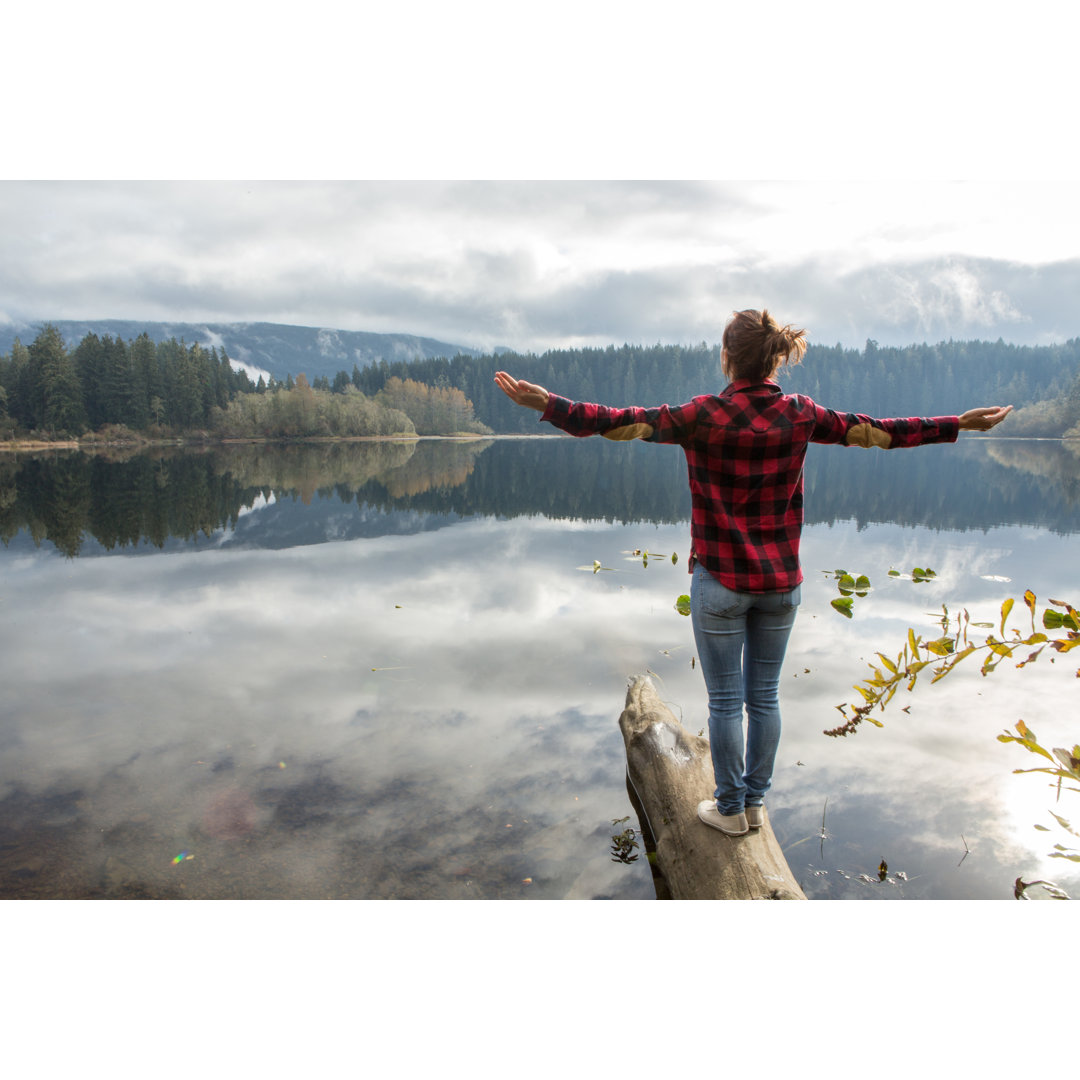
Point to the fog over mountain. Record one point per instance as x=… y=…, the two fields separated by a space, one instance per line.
x=259 y=347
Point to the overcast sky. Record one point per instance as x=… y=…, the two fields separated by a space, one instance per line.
x=853 y=115
x=540 y=264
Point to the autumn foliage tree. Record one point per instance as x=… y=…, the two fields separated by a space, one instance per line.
x=435 y=410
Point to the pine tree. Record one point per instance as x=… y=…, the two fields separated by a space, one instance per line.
x=56 y=401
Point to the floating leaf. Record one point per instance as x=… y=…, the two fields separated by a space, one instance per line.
x=674 y=557
x=843 y=604
x=894 y=573
x=862 y=582
x=682 y=605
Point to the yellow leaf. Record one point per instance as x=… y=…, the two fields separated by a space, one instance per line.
x=1005 y=609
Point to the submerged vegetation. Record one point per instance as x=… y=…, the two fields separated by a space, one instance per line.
x=1060 y=633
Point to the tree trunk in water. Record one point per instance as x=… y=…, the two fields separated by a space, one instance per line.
x=670 y=772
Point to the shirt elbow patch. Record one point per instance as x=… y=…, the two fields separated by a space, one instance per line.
x=866 y=435
x=628 y=432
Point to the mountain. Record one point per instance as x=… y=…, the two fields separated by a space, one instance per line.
x=270 y=348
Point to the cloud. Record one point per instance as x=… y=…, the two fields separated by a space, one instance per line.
x=538 y=265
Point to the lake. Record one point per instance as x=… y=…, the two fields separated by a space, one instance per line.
x=391 y=670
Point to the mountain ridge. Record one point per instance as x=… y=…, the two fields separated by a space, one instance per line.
x=277 y=349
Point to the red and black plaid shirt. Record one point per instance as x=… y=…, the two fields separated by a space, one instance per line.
x=744 y=452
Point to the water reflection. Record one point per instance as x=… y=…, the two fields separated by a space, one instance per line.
x=169 y=499
x=337 y=699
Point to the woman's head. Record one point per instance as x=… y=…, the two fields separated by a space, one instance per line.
x=755 y=345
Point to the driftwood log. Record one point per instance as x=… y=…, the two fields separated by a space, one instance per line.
x=669 y=771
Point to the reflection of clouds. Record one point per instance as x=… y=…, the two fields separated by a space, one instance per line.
x=502 y=673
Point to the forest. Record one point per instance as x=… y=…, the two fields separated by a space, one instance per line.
x=170 y=388
x=1043 y=382
x=114 y=389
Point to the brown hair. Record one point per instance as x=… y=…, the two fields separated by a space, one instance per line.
x=757 y=345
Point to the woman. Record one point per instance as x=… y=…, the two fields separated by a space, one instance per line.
x=744 y=450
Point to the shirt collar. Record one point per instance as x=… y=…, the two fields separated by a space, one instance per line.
x=751 y=384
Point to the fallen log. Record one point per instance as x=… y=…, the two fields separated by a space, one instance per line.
x=670 y=772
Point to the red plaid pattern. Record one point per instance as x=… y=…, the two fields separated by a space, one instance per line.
x=744 y=453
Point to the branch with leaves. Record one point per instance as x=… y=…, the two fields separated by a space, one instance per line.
x=944 y=653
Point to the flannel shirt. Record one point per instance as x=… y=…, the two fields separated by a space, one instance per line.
x=745 y=449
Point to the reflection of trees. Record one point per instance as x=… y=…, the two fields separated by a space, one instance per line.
x=439 y=466
x=1054 y=465
x=180 y=493
x=307 y=468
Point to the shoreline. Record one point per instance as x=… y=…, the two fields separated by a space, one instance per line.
x=16 y=446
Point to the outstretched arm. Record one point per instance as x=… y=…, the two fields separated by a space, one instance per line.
x=983 y=419
x=858 y=430
x=521 y=392
x=660 y=423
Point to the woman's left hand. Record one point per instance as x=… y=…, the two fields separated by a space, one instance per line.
x=521 y=392
x=983 y=419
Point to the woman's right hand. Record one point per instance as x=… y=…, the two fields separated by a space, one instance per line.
x=521 y=392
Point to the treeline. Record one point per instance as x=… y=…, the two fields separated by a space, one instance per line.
x=917 y=380
x=106 y=385
x=140 y=384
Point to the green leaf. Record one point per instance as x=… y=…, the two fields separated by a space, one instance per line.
x=682 y=605
x=862 y=582
x=843 y=604
x=894 y=573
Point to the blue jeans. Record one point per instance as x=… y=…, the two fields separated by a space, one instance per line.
x=741 y=639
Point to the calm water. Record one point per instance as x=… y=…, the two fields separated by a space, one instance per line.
x=389 y=671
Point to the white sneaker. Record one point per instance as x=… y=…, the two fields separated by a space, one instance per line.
x=732 y=824
x=755 y=816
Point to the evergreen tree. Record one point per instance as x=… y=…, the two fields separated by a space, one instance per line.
x=90 y=365
x=116 y=385
x=56 y=396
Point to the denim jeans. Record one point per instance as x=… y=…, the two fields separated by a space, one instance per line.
x=741 y=639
